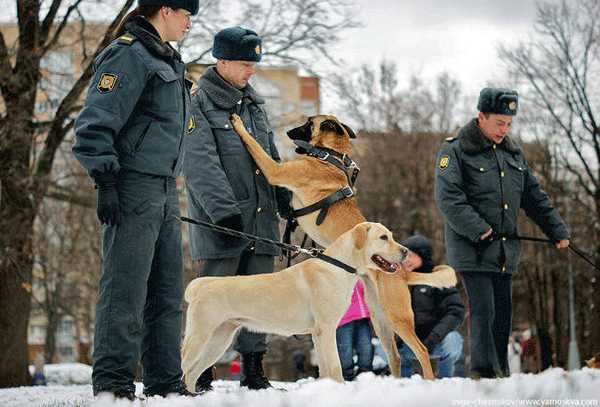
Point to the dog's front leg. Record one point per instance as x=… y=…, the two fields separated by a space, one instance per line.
x=326 y=347
x=383 y=327
x=268 y=166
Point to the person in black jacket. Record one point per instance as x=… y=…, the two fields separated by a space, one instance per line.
x=438 y=313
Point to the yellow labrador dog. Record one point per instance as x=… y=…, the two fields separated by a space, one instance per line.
x=307 y=298
x=310 y=180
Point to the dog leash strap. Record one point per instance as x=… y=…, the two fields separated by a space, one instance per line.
x=313 y=252
x=320 y=255
x=232 y=232
x=572 y=247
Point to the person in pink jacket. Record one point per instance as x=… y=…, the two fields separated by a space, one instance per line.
x=354 y=335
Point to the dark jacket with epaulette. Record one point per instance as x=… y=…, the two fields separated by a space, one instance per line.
x=137 y=110
x=221 y=177
x=480 y=185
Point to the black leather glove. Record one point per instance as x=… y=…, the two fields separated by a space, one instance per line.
x=108 y=202
x=234 y=222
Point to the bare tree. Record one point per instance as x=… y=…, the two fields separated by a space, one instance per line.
x=373 y=97
x=557 y=71
x=293 y=31
x=23 y=181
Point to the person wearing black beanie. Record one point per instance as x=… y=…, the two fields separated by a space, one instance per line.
x=438 y=313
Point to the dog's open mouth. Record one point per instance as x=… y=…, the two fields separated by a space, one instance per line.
x=384 y=264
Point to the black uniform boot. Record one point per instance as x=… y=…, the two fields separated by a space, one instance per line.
x=177 y=389
x=203 y=384
x=253 y=375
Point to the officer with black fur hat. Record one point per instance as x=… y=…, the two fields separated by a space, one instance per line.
x=225 y=186
x=482 y=180
x=129 y=136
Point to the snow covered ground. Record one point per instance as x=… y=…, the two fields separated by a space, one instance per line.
x=553 y=387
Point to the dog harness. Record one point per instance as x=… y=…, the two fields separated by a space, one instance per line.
x=341 y=161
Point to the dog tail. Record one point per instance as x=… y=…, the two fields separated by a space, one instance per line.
x=441 y=277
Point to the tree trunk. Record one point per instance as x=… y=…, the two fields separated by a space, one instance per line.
x=16 y=263
x=50 y=343
x=17 y=214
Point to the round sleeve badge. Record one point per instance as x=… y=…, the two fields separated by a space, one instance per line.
x=107 y=82
x=444 y=161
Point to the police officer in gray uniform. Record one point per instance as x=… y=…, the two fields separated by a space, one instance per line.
x=482 y=180
x=225 y=186
x=129 y=137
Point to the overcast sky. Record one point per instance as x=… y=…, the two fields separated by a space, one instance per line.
x=430 y=36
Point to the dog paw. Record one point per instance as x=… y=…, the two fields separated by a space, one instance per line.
x=237 y=123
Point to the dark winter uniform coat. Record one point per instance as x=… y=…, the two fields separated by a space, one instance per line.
x=221 y=177
x=137 y=110
x=130 y=133
x=480 y=185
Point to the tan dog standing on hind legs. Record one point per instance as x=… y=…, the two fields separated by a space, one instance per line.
x=309 y=297
x=312 y=179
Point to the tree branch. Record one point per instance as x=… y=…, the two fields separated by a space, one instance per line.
x=57 y=130
x=59 y=30
x=48 y=21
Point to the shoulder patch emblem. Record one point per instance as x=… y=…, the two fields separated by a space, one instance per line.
x=191 y=124
x=107 y=82
x=444 y=161
x=126 y=39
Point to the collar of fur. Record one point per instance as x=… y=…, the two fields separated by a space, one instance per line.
x=472 y=141
x=222 y=93
x=144 y=31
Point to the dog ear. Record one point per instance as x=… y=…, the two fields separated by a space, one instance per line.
x=351 y=132
x=331 y=125
x=360 y=235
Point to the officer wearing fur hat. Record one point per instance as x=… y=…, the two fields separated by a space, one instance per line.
x=225 y=186
x=129 y=137
x=482 y=181
x=438 y=313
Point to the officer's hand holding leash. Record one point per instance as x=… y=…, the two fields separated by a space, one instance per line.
x=108 y=203
x=562 y=244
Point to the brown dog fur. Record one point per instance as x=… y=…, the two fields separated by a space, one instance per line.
x=310 y=180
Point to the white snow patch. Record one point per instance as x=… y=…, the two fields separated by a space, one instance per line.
x=554 y=387
x=66 y=373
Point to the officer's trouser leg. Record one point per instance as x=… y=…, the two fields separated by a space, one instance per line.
x=161 y=354
x=128 y=252
x=246 y=264
x=480 y=292
x=503 y=318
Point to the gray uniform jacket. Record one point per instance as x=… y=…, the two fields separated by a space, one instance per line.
x=221 y=177
x=137 y=110
x=480 y=186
